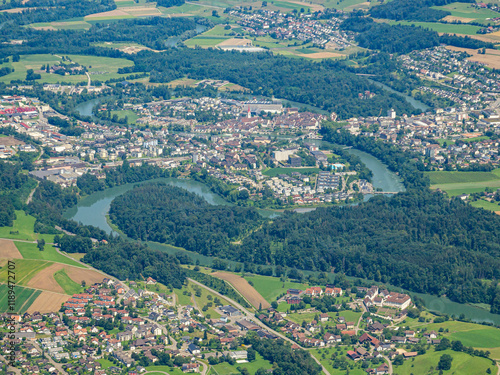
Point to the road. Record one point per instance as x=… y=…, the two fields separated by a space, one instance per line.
x=361 y=317
x=389 y=363
x=58 y=366
x=88 y=76
x=10 y=368
x=252 y=318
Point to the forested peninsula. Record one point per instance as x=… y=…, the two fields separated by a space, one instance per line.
x=419 y=240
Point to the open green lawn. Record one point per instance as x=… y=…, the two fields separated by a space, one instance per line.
x=100 y=68
x=226 y=369
x=462 y=364
x=442 y=27
x=69 y=286
x=467 y=11
x=24 y=297
x=486 y=205
x=23 y=229
x=24 y=270
x=273 y=172
x=131 y=115
x=479 y=338
x=105 y=363
x=271 y=287
x=30 y=251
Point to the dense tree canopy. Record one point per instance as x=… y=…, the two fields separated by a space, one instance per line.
x=168 y=214
x=135 y=262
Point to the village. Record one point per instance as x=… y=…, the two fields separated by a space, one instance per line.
x=134 y=326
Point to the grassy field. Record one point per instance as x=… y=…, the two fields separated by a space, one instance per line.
x=24 y=297
x=204 y=41
x=69 y=286
x=24 y=225
x=226 y=369
x=464 y=10
x=442 y=27
x=456 y=183
x=25 y=269
x=100 y=68
x=271 y=287
x=30 y=251
x=273 y=172
x=490 y=206
x=462 y=364
x=132 y=116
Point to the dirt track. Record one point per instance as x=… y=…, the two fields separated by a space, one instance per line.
x=8 y=250
x=246 y=290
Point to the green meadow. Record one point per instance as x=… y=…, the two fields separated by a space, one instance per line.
x=100 y=68
x=456 y=183
x=273 y=172
x=271 y=287
x=465 y=10
x=24 y=270
x=462 y=364
x=69 y=286
x=441 y=27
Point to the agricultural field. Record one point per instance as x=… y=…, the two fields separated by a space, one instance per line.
x=62 y=25
x=100 y=68
x=491 y=58
x=440 y=27
x=271 y=287
x=24 y=298
x=244 y=288
x=69 y=286
x=186 y=299
x=462 y=364
x=25 y=270
x=456 y=183
x=466 y=13
x=30 y=251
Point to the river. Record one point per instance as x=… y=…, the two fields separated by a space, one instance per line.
x=414 y=102
x=92 y=210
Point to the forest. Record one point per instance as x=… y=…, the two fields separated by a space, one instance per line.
x=403 y=38
x=135 y=262
x=168 y=214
